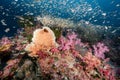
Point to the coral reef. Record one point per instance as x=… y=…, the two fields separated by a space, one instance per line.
x=48 y=58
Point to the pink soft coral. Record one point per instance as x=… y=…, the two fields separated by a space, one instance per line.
x=11 y=64
x=70 y=42
x=99 y=50
x=43 y=39
x=5 y=41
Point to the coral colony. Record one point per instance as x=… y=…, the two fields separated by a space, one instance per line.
x=46 y=58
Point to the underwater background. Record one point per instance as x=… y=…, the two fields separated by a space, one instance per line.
x=98 y=12
x=93 y=24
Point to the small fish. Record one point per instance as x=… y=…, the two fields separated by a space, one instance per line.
x=3 y=22
x=7 y=30
x=19 y=17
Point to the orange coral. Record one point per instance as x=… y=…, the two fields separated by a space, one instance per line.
x=43 y=39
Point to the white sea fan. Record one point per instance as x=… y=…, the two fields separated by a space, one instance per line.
x=55 y=22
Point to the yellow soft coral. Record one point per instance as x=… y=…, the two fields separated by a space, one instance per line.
x=43 y=39
x=5 y=47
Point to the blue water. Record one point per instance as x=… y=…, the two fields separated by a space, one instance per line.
x=98 y=12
